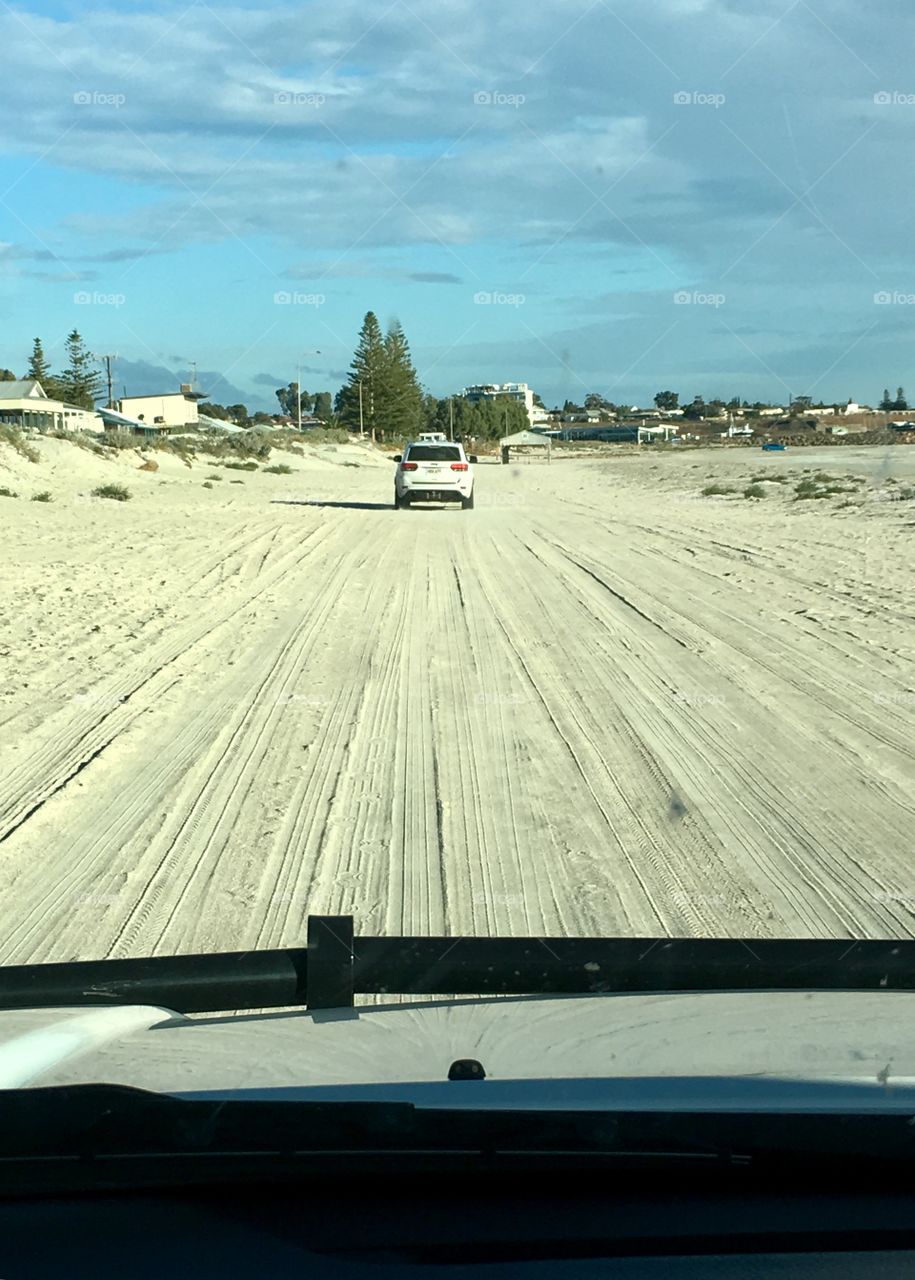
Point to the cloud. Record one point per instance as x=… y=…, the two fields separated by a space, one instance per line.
x=698 y=142
x=435 y=277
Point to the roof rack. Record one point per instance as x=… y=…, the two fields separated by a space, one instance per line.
x=335 y=966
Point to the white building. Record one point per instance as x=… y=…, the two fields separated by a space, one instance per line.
x=173 y=409
x=519 y=391
x=25 y=404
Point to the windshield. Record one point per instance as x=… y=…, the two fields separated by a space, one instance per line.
x=642 y=666
x=433 y=453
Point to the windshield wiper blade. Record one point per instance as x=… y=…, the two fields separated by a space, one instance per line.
x=336 y=965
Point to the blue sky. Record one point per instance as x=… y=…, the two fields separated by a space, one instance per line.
x=705 y=195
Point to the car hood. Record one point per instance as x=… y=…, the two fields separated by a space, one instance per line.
x=717 y=1048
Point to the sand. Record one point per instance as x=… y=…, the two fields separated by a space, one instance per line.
x=601 y=702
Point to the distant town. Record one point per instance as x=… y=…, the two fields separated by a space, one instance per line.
x=383 y=400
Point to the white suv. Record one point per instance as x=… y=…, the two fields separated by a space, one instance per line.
x=433 y=469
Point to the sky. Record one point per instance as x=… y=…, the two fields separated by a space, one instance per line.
x=708 y=196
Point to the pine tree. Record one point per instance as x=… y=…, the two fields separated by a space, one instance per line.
x=900 y=401
x=402 y=397
x=81 y=381
x=40 y=369
x=368 y=372
x=887 y=401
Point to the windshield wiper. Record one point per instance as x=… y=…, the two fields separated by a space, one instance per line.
x=336 y=965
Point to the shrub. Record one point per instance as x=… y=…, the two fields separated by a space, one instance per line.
x=44 y=496
x=116 y=492
x=754 y=491
x=214 y=475
x=241 y=466
x=121 y=440
x=711 y=489
x=207 y=484
x=13 y=436
x=8 y=493
x=236 y=482
x=279 y=469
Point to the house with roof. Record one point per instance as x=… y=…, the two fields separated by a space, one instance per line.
x=171 y=409
x=25 y=404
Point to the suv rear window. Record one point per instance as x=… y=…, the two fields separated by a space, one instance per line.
x=434 y=453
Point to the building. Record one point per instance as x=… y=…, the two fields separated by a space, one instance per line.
x=519 y=391
x=173 y=409
x=26 y=405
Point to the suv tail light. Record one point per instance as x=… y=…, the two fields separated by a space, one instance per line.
x=409 y=466
x=459 y=466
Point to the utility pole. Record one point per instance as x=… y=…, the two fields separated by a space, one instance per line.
x=106 y=360
x=361 y=427
x=451 y=428
x=298 y=396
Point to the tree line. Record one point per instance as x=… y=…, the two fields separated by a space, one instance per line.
x=78 y=383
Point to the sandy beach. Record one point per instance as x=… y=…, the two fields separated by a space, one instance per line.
x=604 y=701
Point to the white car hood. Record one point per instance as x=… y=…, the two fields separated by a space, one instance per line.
x=747 y=1049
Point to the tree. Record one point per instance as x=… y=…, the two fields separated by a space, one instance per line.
x=287 y=399
x=323 y=406
x=478 y=420
x=696 y=409
x=401 y=407
x=886 y=401
x=81 y=382
x=7 y=375
x=365 y=380
x=39 y=369
x=667 y=399
x=900 y=402
x=239 y=414
x=213 y=411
